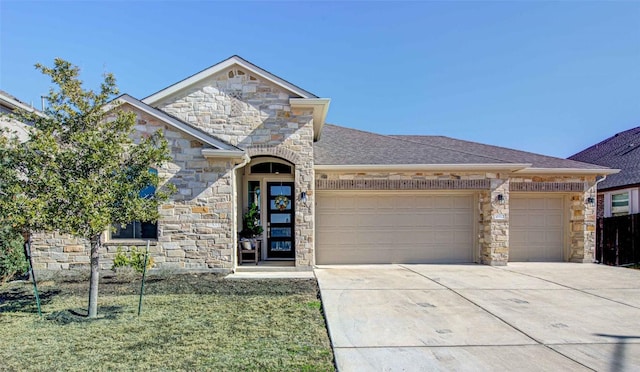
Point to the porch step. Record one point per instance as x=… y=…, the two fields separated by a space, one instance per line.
x=271 y=272
x=247 y=268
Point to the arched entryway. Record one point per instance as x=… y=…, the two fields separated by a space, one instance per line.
x=268 y=183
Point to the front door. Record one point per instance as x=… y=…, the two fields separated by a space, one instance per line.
x=280 y=220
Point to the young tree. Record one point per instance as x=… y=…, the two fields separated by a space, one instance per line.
x=81 y=170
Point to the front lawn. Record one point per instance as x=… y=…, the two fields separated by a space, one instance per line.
x=188 y=322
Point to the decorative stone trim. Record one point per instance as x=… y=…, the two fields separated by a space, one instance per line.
x=547 y=186
x=402 y=184
x=279 y=152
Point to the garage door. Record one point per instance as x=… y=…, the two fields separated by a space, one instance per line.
x=536 y=227
x=360 y=227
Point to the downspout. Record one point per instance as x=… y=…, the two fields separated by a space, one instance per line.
x=604 y=177
x=245 y=160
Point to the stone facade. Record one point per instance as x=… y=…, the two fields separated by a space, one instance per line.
x=255 y=115
x=198 y=226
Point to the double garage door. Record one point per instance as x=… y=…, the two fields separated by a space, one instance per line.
x=370 y=227
x=375 y=227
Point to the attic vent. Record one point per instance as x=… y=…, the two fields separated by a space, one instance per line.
x=240 y=72
x=231 y=74
x=236 y=103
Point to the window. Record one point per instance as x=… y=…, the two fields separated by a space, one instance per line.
x=138 y=229
x=269 y=167
x=620 y=204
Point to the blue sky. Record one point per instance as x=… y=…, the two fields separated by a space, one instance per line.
x=546 y=77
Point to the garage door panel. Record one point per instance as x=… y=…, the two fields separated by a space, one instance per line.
x=394 y=228
x=536 y=227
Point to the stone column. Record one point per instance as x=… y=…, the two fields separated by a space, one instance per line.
x=582 y=226
x=494 y=233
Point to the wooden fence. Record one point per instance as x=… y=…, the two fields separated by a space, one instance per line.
x=618 y=240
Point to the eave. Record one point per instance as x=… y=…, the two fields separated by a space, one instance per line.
x=572 y=171
x=320 y=107
x=510 y=167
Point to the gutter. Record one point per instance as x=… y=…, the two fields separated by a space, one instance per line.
x=509 y=167
x=225 y=154
x=602 y=171
x=234 y=213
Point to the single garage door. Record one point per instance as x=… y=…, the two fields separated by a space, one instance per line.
x=536 y=227
x=369 y=227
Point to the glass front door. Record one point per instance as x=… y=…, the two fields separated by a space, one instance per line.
x=280 y=220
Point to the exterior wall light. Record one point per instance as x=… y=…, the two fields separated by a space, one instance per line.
x=591 y=200
x=303 y=197
x=500 y=199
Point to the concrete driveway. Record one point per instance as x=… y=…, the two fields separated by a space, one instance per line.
x=525 y=316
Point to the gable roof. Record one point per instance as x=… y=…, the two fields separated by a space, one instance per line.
x=355 y=148
x=220 y=66
x=621 y=151
x=302 y=99
x=176 y=123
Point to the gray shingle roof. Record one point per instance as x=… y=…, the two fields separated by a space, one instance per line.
x=345 y=146
x=502 y=153
x=621 y=151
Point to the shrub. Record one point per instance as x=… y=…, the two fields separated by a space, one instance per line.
x=134 y=259
x=12 y=259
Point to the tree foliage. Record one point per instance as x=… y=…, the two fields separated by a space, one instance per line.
x=81 y=170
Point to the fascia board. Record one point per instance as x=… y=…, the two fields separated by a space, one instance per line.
x=204 y=74
x=596 y=171
x=223 y=154
x=422 y=167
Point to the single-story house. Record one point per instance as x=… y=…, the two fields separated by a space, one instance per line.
x=328 y=194
x=618 y=194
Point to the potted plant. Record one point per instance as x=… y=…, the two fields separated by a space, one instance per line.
x=251 y=227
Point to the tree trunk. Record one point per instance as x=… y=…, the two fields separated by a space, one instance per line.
x=95 y=276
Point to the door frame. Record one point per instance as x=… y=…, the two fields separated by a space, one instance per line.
x=264 y=179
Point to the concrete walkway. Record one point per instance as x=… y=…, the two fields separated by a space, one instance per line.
x=523 y=317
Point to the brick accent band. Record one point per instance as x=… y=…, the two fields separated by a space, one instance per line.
x=403 y=184
x=547 y=186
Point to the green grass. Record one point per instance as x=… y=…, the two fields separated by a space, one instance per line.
x=188 y=322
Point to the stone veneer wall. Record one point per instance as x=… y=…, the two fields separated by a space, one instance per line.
x=194 y=226
x=255 y=115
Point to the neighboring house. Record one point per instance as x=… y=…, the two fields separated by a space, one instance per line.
x=8 y=104
x=618 y=194
x=333 y=195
